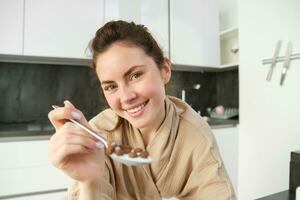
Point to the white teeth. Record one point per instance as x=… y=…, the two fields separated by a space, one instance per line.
x=136 y=109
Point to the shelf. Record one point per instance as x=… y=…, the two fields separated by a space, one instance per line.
x=230 y=65
x=229 y=48
x=228 y=33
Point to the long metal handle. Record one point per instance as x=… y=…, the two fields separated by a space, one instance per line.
x=87 y=130
x=286 y=63
x=276 y=53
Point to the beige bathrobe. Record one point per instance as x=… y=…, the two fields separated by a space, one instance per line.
x=186 y=162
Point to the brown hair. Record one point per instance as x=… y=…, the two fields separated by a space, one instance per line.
x=130 y=33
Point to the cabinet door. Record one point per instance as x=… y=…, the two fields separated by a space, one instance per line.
x=49 y=196
x=227 y=140
x=25 y=168
x=153 y=14
x=194 y=33
x=11 y=26
x=61 y=28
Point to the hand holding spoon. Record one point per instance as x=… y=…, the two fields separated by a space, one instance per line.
x=124 y=159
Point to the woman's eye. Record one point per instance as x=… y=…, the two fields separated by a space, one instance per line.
x=135 y=75
x=109 y=87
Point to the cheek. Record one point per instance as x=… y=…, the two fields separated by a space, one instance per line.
x=112 y=101
x=153 y=88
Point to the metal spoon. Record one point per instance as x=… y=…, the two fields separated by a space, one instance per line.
x=125 y=159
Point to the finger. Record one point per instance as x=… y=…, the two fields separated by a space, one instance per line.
x=65 y=134
x=71 y=128
x=58 y=116
x=79 y=140
x=59 y=143
x=77 y=113
x=69 y=104
x=59 y=157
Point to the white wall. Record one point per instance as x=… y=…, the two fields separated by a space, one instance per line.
x=269 y=114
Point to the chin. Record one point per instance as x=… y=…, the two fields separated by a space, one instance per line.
x=138 y=125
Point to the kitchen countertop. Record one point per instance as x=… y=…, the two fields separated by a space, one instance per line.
x=222 y=123
x=284 y=195
x=24 y=132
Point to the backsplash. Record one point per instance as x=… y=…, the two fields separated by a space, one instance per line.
x=27 y=91
x=217 y=88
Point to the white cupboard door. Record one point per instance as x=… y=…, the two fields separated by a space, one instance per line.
x=57 y=28
x=111 y=10
x=194 y=33
x=47 y=196
x=153 y=14
x=26 y=168
x=227 y=140
x=11 y=26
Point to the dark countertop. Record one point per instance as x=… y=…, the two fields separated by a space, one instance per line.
x=284 y=195
x=36 y=131
x=25 y=131
x=222 y=123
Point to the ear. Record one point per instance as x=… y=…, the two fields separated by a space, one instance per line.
x=166 y=70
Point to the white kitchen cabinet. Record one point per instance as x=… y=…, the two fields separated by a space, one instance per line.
x=55 y=28
x=153 y=14
x=194 y=33
x=229 y=43
x=49 y=196
x=25 y=168
x=228 y=14
x=11 y=26
x=227 y=140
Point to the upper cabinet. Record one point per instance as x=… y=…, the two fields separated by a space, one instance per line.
x=187 y=31
x=194 y=33
x=229 y=43
x=228 y=14
x=55 y=28
x=229 y=34
x=153 y=14
x=11 y=26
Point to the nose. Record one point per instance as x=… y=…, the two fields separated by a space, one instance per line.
x=127 y=94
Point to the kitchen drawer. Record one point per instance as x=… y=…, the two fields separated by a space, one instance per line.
x=47 y=196
x=24 y=154
x=31 y=179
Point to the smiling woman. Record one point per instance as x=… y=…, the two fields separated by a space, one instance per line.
x=133 y=73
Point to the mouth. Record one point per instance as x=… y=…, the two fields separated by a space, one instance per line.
x=137 y=109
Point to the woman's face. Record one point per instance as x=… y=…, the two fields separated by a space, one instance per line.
x=133 y=85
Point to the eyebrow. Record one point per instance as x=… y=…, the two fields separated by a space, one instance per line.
x=126 y=73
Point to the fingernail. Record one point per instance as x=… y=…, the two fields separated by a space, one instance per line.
x=100 y=145
x=67 y=102
x=76 y=115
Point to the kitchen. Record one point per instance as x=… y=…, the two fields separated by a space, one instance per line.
x=266 y=124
